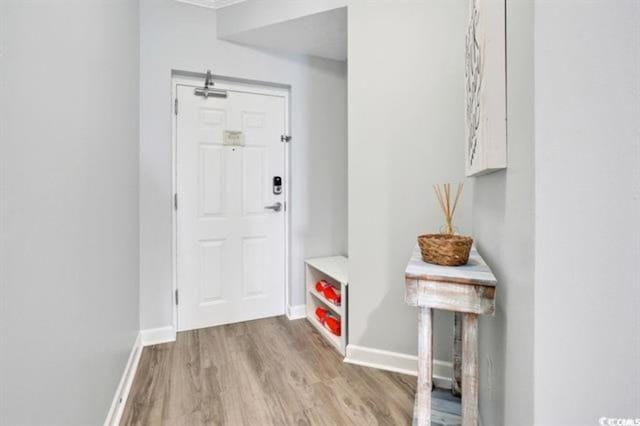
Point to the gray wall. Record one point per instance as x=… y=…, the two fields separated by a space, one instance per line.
x=503 y=225
x=587 y=160
x=405 y=133
x=183 y=37
x=68 y=206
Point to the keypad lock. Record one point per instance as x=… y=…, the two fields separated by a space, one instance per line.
x=277 y=185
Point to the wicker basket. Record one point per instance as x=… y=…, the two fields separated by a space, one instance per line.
x=445 y=249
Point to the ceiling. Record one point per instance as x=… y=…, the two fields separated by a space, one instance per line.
x=322 y=34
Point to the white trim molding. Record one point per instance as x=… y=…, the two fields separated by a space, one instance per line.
x=122 y=391
x=211 y=4
x=155 y=336
x=398 y=363
x=296 y=312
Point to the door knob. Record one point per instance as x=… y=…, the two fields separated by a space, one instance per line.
x=276 y=207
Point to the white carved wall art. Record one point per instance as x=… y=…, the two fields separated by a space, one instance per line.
x=485 y=88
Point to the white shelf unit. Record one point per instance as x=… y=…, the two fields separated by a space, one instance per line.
x=334 y=270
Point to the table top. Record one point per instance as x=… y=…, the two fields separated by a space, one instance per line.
x=475 y=272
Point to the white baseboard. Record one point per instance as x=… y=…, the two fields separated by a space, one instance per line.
x=399 y=363
x=155 y=336
x=122 y=391
x=296 y=312
x=152 y=336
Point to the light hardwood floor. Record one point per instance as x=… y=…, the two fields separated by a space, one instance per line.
x=267 y=372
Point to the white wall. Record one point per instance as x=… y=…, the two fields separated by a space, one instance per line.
x=183 y=37
x=503 y=225
x=587 y=233
x=68 y=207
x=405 y=133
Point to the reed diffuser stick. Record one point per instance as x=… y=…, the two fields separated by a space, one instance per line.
x=436 y=189
x=448 y=195
x=444 y=199
x=455 y=203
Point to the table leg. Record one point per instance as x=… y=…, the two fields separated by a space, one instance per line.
x=425 y=359
x=456 y=379
x=470 y=370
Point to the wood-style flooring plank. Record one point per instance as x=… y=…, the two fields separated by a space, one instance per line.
x=267 y=372
x=149 y=387
x=183 y=400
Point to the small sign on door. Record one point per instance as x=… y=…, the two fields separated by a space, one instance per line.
x=233 y=137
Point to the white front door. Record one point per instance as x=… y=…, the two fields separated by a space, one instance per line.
x=230 y=246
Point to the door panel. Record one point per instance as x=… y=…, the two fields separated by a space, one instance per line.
x=211 y=180
x=212 y=262
x=255 y=180
x=254 y=261
x=231 y=250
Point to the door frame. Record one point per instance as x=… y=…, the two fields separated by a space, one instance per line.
x=194 y=79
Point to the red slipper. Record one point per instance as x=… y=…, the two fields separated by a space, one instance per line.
x=332 y=294
x=321 y=314
x=321 y=285
x=332 y=324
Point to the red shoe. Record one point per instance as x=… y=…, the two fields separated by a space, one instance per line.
x=333 y=325
x=321 y=314
x=321 y=285
x=332 y=294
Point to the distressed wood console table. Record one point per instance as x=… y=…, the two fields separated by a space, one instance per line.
x=469 y=289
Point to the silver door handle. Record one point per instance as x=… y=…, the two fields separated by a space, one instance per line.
x=276 y=207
